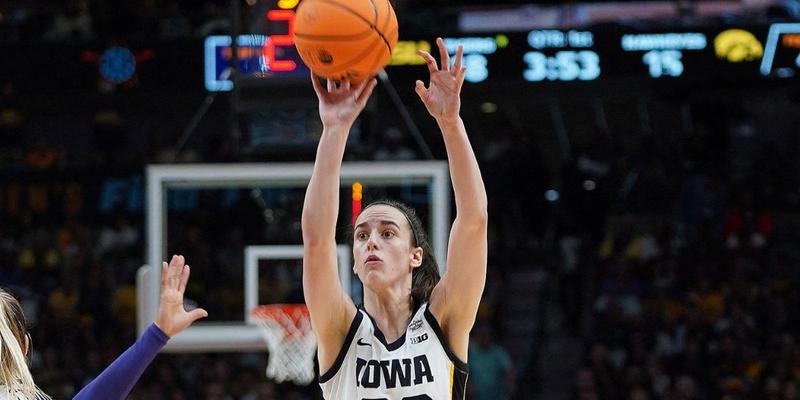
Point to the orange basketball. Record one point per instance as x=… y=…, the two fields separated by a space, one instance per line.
x=345 y=39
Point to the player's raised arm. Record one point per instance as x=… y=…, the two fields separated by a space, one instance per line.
x=331 y=309
x=117 y=380
x=455 y=299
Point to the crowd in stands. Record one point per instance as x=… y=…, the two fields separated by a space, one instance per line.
x=84 y=20
x=677 y=315
x=681 y=286
x=696 y=304
x=692 y=302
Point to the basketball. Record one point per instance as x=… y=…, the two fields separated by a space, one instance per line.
x=345 y=39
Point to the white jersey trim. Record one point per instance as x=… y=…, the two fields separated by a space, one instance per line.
x=337 y=364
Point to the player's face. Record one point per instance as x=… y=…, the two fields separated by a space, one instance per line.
x=382 y=248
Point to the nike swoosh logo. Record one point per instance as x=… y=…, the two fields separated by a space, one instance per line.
x=360 y=343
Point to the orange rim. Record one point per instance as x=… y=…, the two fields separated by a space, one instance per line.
x=297 y=313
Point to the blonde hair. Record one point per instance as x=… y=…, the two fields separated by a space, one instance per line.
x=14 y=373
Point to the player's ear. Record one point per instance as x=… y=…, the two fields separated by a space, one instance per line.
x=27 y=345
x=416 y=256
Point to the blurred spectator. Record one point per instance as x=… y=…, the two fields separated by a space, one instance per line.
x=12 y=123
x=71 y=23
x=749 y=226
x=701 y=207
x=118 y=237
x=174 y=24
x=492 y=374
x=109 y=138
x=215 y=20
x=393 y=147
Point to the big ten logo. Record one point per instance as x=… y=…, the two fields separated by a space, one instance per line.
x=405 y=52
x=62 y=198
x=419 y=339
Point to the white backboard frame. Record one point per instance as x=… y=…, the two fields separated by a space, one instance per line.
x=236 y=336
x=253 y=254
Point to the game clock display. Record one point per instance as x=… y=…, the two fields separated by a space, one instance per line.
x=733 y=53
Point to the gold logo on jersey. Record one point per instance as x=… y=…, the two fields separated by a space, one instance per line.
x=738 y=45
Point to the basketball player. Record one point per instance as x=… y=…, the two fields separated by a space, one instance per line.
x=409 y=341
x=116 y=381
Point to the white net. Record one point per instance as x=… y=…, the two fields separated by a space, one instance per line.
x=290 y=341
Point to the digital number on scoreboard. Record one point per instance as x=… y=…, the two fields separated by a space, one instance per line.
x=538 y=56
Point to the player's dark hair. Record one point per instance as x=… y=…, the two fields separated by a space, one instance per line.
x=425 y=277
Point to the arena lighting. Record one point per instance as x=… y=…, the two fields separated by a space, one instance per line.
x=117 y=64
x=551 y=195
x=488 y=107
x=779 y=38
x=589 y=185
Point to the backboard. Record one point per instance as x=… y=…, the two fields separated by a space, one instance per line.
x=260 y=260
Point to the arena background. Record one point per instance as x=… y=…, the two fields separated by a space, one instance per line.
x=641 y=160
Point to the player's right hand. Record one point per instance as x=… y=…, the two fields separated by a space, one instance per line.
x=340 y=104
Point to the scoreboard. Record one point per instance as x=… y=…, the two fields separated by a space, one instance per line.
x=738 y=53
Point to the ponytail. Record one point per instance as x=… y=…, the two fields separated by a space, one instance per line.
x=14 y=373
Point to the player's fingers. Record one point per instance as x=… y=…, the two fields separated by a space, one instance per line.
x=366 y=91
x=174 y=264
x=331 y=85
x=175 y=260
x=432 y=67
x=178 y=270
x=197 y=313
x=185 y=272
x=346 y=85
x=164 y=272
x=443 y=55
x=317 y=86
x=462 y=73
x=419 y=87
x=459 y=57
x=359 y=89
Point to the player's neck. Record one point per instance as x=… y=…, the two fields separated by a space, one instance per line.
x=390 y=312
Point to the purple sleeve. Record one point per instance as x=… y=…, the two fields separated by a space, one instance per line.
x=116 y=381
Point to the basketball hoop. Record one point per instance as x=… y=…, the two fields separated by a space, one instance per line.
x=290 y=341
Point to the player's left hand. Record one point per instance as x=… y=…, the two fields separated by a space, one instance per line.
x=172 y=318
x=442 y=97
